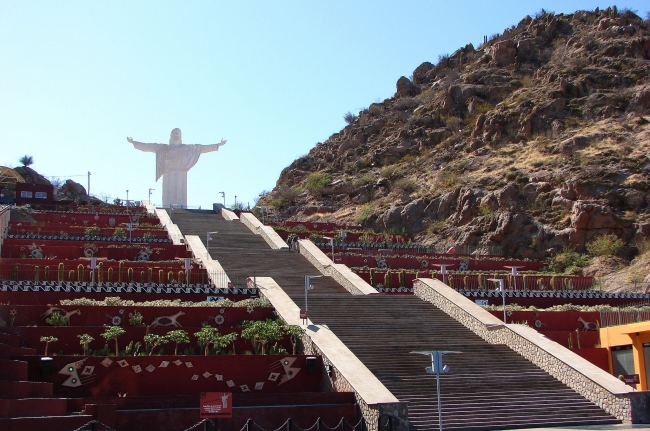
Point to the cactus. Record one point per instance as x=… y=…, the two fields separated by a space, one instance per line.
x=481 y=281
x=170 y=277
x=71 y=275
x=524 y=282
x=80 y=272
x=388 y=279
x=142 y=277
x=46 y=276
x=553 y=282
x=149 y=275
x=129 y=274
x=450 y=281
x=402 y=278
x=466 y=282
x=109 y=275
x=434 y=274
x=161 y=278
x=120 y=271
x=181 y=277
x=373 y=277
x=100 y=272
x=36 y=273
x=61 y=274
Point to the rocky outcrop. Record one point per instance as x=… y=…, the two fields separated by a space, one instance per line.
x=31 y=176
x=535 y=140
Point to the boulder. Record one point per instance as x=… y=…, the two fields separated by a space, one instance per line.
x=73 y=191
x=420 y=72
x=406 y=88
x=503 y=53
x=31 y=176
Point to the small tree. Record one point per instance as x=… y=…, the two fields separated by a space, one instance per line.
x=349 y=117
x=92 y=231
x=262 y=332
x=178 y=336
x=85 y=340
x=47 y=341
x=111 y=333
x=26 y=160
x=224 y=340
x=207 y=336
x=295 y=333
x=151 y=341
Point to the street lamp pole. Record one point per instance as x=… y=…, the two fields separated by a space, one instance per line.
x=503 y=294
x=150 y=190
x=331 y=240
x=309 y=287
x=223 y=195
x=437 y=368
x=207 y=240
x=127 y=201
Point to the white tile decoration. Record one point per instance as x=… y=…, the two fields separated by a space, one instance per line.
x=274 y=377
x=259 y=386
x=244 y=388
x=178 y=362
x=195 y=377
x=230 y=383
x=106 y=362
x=123 y=363
x=206 y=374
x=137 y=368
x=163 y=364
x=188 y=364
x=219 y=377
x=88 y=370
x=150 y=368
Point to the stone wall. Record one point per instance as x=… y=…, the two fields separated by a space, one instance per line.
x=172 y=229
x=228 y=215
x=5 y=212
x=270 y=236
x=346 y=372
x=591 y=382
x=339 y=272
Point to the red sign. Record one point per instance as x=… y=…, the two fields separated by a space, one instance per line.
x=631 y=379
x=216 y=405
x=304 y=314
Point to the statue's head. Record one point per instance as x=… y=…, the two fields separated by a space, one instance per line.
x=176 y=137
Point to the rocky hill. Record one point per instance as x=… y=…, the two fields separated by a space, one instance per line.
x=537 y=139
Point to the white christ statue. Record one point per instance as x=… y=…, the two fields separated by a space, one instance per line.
x=172 y=163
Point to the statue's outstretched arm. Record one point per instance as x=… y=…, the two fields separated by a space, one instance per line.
x=213 y=147
x=149 y=148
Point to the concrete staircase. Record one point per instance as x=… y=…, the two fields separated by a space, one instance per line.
x=488 y=387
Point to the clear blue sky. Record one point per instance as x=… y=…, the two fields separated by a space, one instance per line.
x=273 y=78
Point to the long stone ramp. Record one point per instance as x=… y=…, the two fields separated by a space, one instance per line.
x=489 y=386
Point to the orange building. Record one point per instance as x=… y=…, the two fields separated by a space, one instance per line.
x=629 y=351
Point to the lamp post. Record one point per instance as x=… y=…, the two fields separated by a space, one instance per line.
x=127 y=201
x=503 y=294
x=150 y=190
x=331 y=240
x=514 y=273
x=437 y=368
x=308 y=287
x=223 y=195
x=207 y=240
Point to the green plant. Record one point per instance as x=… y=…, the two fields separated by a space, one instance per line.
x=151 y=341
x=406 y=185
x=147 y=235
x=453 y=123
x=85 y=341
x=365 y=211
x=207 y=336
x=446 y=180
x=349 y=117
x=132 y=348
x=135 y=318
x=316 y=182
x=364 y=180
x=119 y=232
x=56 y=319
x=92 y=231
x=567 y=261
x=63 y=234
x=295 y=334
x=262 y=332
x=178 y=336
x=61 y=272
x=485 y=210
x=47 y=341
x=605 y=245
x=391 y=172
x=112 y=333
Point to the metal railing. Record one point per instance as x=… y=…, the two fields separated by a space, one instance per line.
x=623 y=317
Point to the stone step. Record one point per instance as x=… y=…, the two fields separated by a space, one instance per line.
x=13 y=370
x=49 y=423
x=24 y=389
x=7 y=351
x=32 y=407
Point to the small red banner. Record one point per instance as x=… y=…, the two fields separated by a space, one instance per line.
x=304 y=314
x=631 y=379
x=216 y=405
